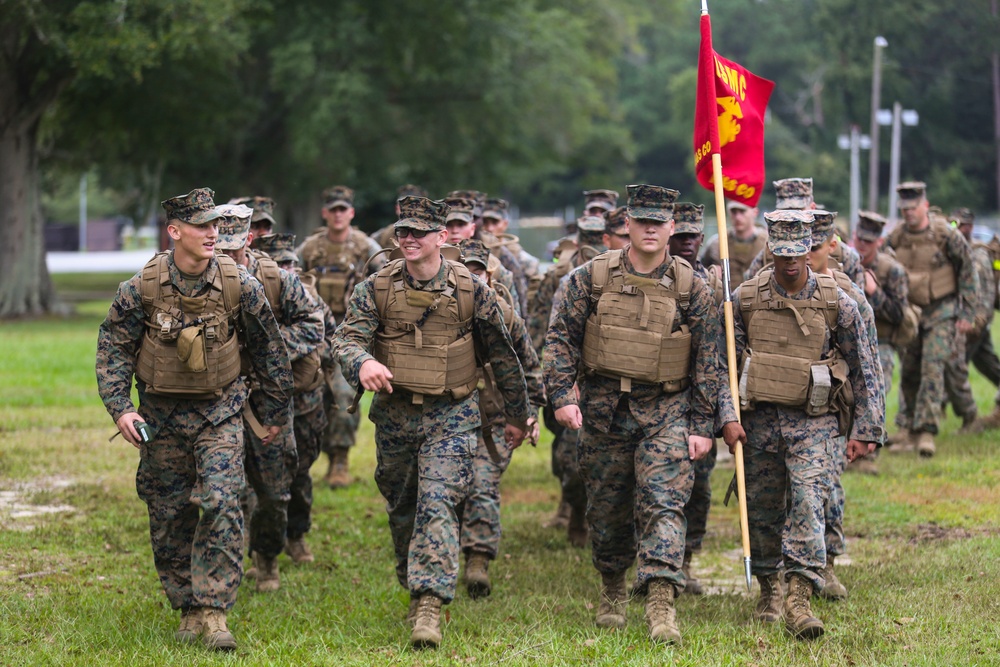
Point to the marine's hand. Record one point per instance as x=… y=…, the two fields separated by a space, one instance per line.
x=375 y=377
x=126 y=424
x=857 y=450
x=533 y=431
x=272 y=433
x=698 y=446
x=963 y=327
x=732 y=433
x=570 y=416
x=513 y=436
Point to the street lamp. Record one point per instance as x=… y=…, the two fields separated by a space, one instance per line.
x=879 y=44
x=898 y=118
x=855 y=142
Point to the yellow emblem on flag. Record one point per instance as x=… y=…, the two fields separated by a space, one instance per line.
x=729 y=126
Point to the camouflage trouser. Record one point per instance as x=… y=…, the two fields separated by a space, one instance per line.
x=190 y=477
x=549 y=419
x=696 y=509
x=637 y=486
x=958 y=391
x=836 y=544
x=423 y=479
x=269 y=470
x=981 y=354
x=481 y=510
x=886 y=355
x=566 y=448
x=342 y=428
x=309 y=430
x=788 y=464
x=921 y=380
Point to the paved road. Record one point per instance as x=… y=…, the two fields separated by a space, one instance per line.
x=97 y=262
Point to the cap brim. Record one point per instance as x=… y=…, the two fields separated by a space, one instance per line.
x=867 y=236
x=416 y=223
x=493 y=215
x=789 y=248
x=737 y=206
x=339 y=202
x=601 y=204
x=687 y=228
x=203 y=217
x=261 y=215
x=459 y=215
x=650 y=214
x=793 y=203
x=908 y=203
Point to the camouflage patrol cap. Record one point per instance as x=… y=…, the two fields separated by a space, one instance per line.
x=338 y=195
x=474 y=251
x=194 y=208
x=789 y=232
x=410 y=190
x=421 y=213
x=590 y=229
x=234 y=226
x=606 y=199
x=615 y=219
x=793 y=193
x=477 y=197
x=651 y=202
x=689 y=218
x=263 y=207
x=495 y=207
x=870 y=226
x=911 y=193
x=823 y=227
x=460 y=208
x=279 y=247
x=963 y=216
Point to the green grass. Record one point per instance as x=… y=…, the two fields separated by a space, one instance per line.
x=923 y=541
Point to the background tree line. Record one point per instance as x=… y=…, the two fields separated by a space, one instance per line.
x=533 y=100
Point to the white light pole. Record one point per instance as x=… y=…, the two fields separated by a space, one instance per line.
x=83 y=213
x=879 y=44
x=855 y=142
x=899 y=117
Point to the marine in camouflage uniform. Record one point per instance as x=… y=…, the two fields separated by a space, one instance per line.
x=480 y=516
x=191 y=472
x=945 y=287
x=640 y=431
x=789 y=457
x=685 y=242
x=573 y=495
x=337 y=255
x=426 y=438
x=385 y=236
x=746 y=240
x=496 y=221
x=309 y=417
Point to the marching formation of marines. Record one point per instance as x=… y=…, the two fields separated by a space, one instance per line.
x=250 y=355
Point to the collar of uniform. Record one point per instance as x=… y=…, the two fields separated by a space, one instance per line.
x=657 y=273
x=438 y=283
x=805 y=293
x=178 y=280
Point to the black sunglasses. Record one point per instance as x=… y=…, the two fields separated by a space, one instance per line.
x=403 y=232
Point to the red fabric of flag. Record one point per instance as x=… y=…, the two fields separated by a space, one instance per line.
x=729 y=120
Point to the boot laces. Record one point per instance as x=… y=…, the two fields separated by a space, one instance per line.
x=215 y=621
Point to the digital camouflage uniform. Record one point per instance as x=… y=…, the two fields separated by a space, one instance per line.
x=425 y=452
x=633 y=448
x=923 y=362
x=191 y=474
x=789 y=456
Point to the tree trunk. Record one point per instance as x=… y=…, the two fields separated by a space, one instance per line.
x=25 y=286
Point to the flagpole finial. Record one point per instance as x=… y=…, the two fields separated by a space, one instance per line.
x=704 y=6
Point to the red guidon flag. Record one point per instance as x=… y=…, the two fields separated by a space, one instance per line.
x=729 y=120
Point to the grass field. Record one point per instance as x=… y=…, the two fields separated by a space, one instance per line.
x=77 y=584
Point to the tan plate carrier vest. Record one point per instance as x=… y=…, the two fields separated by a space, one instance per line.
x=629 y=334
x=425 y=338
x=741 y=256
x=924 y=255
x=307 y=371
x=783 y=363
x=902 y=334
x=212 y=318
x=337 y=266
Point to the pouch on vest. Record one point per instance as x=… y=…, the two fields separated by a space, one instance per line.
x=775 y=378
x=820 y=390
x=191 y=348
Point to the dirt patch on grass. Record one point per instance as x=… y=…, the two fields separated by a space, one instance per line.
x=931 y=532
x=17 y=505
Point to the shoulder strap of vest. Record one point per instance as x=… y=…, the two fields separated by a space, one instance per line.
x=383 y=284
x=750 y=294
x=683 y=280
x=269 y=274
x=601 y=268
x=464 y=290
x=154 y=273
x=828 y=293
x=230 y=273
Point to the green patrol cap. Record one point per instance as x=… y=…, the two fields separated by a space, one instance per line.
x=263 y=207
x=421 y=213
x=590 y=229
x=823 y=228
x=689 y=218
x=911 y=193
x=474 y=251
x=793 y=193
x=606 y=199
x=460 y=208
x=615 y=219
x=651 y=202
x=410 y=190
x=195 y=208
x=234 y=226
x=789 y=232
x=338 y=195
x=963 y=216
x=870 y=225
x=279 y=247
x=496 y=208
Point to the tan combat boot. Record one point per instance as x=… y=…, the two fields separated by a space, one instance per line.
x=561 y=518
x=611 y=611
x=925 y=444
x=338 y=476
x=661 y=616
x=477 y=577
x=190 y=626
x=427 y=622
x=832 y=589
x=798 y=614
x=577 y=531
x=267 y=573
x=411 y=613
x=215 y=634
x=693 y=586
x=298 y=550
x=866 y=465
x=989 y=422
x=768 y=609
x=901 y=441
